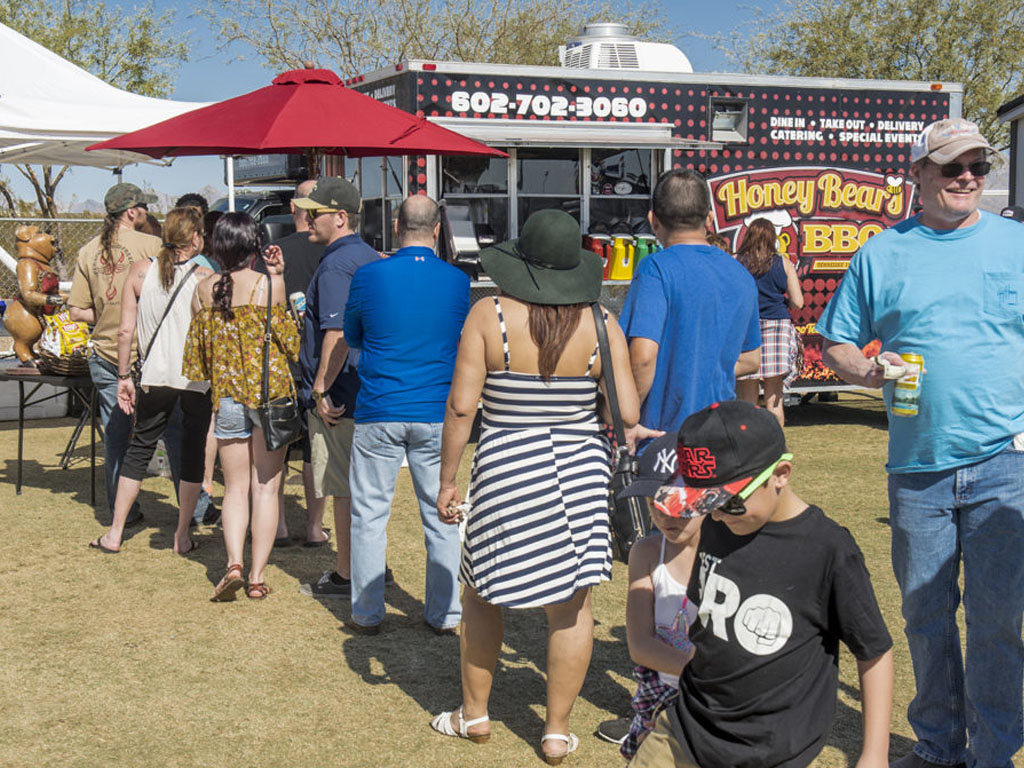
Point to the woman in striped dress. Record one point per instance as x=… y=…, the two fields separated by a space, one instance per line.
x=537 y=533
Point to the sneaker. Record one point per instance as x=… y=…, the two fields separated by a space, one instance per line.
x=452 y=631
x=361 y=629
x=615 y=730
x=914 y=760
x=327 y=587
x=212 y=514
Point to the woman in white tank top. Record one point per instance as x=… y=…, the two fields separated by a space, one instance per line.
x=157 y=302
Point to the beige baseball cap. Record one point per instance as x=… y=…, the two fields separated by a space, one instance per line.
x=945 y=140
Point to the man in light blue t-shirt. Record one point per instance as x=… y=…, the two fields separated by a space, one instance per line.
x=405 y=314
x=949 y=285
x=691 y=312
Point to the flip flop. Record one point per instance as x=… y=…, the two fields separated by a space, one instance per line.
x=282 y=541
x=194 y=546
x=98 y=544
x=317 y=544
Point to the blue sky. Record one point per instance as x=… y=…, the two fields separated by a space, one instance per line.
x=213 y=74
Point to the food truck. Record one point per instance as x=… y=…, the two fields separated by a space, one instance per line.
x=823 y=159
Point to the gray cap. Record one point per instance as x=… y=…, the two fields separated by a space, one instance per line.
x=945 y=140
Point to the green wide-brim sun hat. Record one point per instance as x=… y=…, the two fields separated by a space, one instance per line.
x=546 y=264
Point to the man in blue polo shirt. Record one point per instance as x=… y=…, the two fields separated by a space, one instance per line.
x=405 y=313
x=329 y=378
x=691 y=311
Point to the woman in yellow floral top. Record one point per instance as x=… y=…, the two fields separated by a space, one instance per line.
x=225 y=347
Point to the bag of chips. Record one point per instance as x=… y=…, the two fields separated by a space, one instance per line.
x=64 y=337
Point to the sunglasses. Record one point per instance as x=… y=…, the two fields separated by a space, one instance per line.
x=737 y=504
x=953 y=170
x=314 y=212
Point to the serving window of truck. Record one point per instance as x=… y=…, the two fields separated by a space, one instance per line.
x=824 y=160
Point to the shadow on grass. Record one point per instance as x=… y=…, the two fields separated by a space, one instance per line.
x=405 y=648
x=855 y=408
x=848 y=730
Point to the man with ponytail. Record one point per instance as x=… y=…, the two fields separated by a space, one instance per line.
x=96 y=290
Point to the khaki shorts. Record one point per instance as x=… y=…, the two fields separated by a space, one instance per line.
x=661 y=748
x=330 y=453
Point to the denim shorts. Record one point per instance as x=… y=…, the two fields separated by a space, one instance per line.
x=233 y=420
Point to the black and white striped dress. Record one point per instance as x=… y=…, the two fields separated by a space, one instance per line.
x=538 y=526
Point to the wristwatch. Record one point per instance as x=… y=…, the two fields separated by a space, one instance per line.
x=124 y=376
x=316 y=396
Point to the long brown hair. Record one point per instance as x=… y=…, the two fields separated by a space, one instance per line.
x=180 y=226
x=107 y=237
x=551 y=327
x=758 y=249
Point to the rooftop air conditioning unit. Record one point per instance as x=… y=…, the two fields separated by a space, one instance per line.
x=610 y=46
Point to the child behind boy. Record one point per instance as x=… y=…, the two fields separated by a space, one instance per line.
x=778 y=585
x=658 y=613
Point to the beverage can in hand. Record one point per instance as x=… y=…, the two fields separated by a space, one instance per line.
x=907 y=390
x=297 y=302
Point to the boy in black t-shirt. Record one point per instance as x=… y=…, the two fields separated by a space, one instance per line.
x=778 y=585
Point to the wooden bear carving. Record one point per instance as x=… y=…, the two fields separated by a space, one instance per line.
x=38 y=290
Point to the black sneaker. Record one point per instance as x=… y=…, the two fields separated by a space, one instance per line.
x=615 y=730
x=328 y=587
x=212 y=514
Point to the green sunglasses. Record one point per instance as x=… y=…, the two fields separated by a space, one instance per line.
x=736 y=505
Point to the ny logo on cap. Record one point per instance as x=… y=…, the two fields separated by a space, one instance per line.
x=665 y=462
x=697 y=462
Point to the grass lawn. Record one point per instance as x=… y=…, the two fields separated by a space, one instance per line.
x=123 y=661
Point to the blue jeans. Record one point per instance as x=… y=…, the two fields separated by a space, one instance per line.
x=117 y=425
x=377 y=451
x=968 y=707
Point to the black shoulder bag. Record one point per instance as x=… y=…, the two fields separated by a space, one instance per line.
x=629 y=517
x=280 y=419
x=140 y=359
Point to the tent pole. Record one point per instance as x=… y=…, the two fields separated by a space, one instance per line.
x=229 y=174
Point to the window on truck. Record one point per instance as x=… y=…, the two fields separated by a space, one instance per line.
x=548 y=178
x=620 y=189
x=479 y=185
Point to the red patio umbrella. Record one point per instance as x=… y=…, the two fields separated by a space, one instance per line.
x=303 y=111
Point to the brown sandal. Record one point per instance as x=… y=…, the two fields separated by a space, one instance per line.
x=229 y=585
x=258 y=590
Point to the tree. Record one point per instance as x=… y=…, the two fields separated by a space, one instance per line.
x=356 y=36
x=979 y=43
x=133 y=49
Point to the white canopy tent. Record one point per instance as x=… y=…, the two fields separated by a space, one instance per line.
x=51 y=109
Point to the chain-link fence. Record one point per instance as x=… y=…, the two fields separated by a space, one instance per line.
x=71 y=234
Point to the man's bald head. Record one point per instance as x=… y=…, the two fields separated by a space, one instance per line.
x=418 y=221
x=302 y=189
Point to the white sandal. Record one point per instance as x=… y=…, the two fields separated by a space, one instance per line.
x=443 y=724
x=571 y=743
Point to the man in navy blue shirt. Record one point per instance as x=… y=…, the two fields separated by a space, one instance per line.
x=329 y=377
x=405 y=313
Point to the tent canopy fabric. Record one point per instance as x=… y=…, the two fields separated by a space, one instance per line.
x=51 y=109
x=301 y=111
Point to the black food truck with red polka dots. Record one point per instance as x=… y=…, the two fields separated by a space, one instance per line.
x=825 y=160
